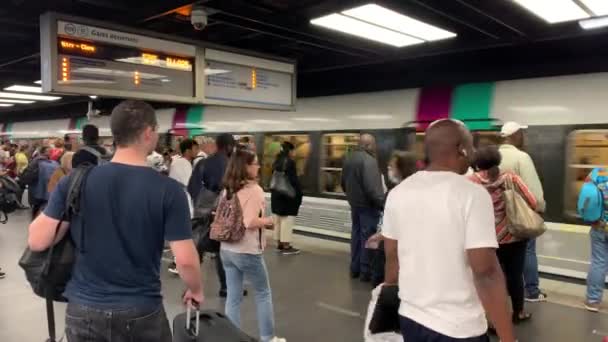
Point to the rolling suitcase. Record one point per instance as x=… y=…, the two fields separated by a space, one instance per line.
x=206 y=326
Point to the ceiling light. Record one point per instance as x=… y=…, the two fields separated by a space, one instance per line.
x=342 y=23
x=384 y=17
x=554 y=11
x=598 y=7
x=594 y=23
x=93 y=96
x=15 y=101
x=24 y=89
x=38 y=82
x=6 y=105
x=29 y=97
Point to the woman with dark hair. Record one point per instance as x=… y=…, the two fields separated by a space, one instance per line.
x=401 y=165
x=511 y=251
x=285 y=208
x=245 y=258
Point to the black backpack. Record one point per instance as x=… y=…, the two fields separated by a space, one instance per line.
x=9 y=197
x=29 y=176
x=49 y=271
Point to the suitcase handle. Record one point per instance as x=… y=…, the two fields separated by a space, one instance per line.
x=189 y=315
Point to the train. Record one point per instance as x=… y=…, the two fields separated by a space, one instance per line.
x=567 y=137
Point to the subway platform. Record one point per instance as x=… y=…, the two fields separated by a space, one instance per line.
x=314 y=298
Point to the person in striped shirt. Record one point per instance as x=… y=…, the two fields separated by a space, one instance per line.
x=511 y=251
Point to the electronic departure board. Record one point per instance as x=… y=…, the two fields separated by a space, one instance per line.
x=85 y=58
x=246 y=81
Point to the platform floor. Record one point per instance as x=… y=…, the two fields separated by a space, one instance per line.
x=314 y=299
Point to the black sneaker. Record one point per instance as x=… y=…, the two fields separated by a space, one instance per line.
x=173 y=268
x=365 y=278
x=541 y=297
x=290 y=251
x=2 y=274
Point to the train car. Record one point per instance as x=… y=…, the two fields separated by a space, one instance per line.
x=567 y=137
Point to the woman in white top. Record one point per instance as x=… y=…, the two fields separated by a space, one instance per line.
x=244 y=258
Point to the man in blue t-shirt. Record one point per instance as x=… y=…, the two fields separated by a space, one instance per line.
x=114 y=293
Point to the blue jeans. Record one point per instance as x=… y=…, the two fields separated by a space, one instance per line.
x=86 y=324
x=365 y=224
x=531 y=270
x=252 y=266
x=596 y=279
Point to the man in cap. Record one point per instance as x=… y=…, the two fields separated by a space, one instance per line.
x=514 y=159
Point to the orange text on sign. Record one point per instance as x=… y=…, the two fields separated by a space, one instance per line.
x=178 y=62
x=78 y=46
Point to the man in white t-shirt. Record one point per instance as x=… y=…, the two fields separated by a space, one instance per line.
x=181 y=164
x=441 y=247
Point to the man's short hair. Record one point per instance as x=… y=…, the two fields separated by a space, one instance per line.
x=186 y=145
x=129 y=119
x=90 y=134
x=224 y=141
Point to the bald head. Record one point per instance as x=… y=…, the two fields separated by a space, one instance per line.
x=367 y=142
x=449 y=144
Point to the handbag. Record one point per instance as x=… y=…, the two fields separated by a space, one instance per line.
x=522 y=221
x=280 y=183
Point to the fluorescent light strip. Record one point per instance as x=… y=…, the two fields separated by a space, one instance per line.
x=6 y=105
x=598 y=7
x=24 y=89
x=29 y=97
x=384 y=17
x=38 y=82
x=554 y=11
x=594 y=23
x=339 y=22
x=15 y=101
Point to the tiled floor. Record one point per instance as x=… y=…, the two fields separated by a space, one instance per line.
x=314 y=298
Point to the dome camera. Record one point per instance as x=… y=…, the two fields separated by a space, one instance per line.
x=198 y=18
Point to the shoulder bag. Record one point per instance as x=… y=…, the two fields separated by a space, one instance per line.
x=522 y=221
x=280 y=183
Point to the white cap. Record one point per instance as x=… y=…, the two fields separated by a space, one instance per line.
x=510 y=128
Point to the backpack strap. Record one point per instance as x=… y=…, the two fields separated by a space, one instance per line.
x=72 y=206
x=92 y=151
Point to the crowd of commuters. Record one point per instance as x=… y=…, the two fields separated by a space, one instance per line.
x=440 y=222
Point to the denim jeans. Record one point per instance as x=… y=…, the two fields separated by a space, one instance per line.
x=252 y=266
x=86 y=324
x=365 y=224
x=531 y=270
x=596 y=278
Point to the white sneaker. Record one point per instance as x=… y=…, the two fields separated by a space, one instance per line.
x=277 y=339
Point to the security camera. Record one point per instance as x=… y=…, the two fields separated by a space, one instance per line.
x=198 y=18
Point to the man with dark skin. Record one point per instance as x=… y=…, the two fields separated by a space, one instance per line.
x=441 y=247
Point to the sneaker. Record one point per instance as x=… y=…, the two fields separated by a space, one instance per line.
x=593 y=307
x=541 y=297
x=290 y=251
x=173 y=268
x=277 y=339
x=2 y=274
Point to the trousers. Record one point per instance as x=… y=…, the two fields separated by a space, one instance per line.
x=86 y=324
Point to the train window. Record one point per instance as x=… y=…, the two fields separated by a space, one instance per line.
x=486 y=138
x=587 y=149
x=272 y=147
x=247 y=140
x=335 y=148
